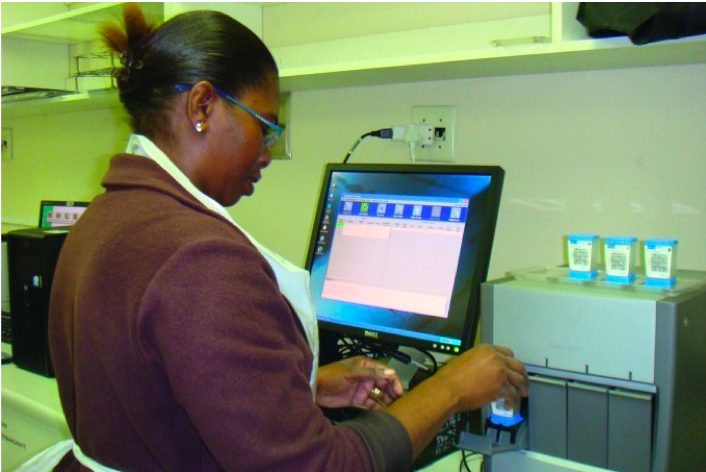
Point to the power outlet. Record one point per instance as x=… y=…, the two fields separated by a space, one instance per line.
x=443 y=120
x=6 y=144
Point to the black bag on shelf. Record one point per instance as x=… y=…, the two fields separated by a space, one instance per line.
x=643 y=22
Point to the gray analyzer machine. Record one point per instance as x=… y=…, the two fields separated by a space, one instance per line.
x=617 y=374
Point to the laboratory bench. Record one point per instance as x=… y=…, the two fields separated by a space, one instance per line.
x=32 y=419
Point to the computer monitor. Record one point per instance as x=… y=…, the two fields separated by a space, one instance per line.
x=398 y=252
x=60 y=213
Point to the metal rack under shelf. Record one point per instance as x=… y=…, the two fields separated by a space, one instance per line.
x=108 y=71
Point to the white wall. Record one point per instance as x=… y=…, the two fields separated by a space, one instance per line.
x=58 y=156
x=618 y=152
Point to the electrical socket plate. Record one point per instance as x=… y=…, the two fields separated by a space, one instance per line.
x=443 y=120
x=6 y=144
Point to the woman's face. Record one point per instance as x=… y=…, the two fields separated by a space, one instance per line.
x=236 y=152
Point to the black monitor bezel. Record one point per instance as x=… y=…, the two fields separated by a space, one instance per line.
x=69 y=203
x=485 y=243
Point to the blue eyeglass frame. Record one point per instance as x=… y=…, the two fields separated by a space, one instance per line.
x=274 y=131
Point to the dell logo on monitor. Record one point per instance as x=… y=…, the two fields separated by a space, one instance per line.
x=371 y=334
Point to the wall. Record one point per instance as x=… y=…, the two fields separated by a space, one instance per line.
x=613 y=152
x=58 y=157
x=616 y=152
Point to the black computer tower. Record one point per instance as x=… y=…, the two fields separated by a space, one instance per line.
x=32 y=257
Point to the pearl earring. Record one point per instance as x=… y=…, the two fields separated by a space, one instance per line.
x=199 y=126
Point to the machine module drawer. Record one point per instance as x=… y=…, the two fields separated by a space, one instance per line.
x=595 y=425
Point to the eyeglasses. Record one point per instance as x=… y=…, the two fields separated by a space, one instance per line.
x=273 y=132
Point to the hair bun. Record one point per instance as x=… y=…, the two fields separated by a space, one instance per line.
x=129 y=37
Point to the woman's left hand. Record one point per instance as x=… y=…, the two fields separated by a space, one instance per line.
x=350 y=382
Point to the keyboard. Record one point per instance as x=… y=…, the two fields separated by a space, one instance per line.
x=6 y=328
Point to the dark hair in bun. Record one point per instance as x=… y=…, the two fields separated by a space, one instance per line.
x=191 y=47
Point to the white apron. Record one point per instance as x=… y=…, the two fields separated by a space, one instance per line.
x=46 y=460
x=294 y=283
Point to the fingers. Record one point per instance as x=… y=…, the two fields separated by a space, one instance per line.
x=517 y=374
x=486 y=373
x=518 y=382
x=375 y=405
x=380 y=397
x=395 y=388
x=382 y=373
x=378 y=385
x=391 y=390
x=384 y=378
x=505 y=351
x=370 y=368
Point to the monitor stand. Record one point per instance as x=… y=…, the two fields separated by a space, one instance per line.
x=406 y=372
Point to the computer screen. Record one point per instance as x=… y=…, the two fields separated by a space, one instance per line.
x=398 y=252
x=60 y=213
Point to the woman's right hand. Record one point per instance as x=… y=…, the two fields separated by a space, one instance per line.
x=482 y=375
x=477 y=377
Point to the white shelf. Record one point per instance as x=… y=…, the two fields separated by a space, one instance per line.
x=441 y=53
x=75 y=26
x=577 y=55
x=40 y=53
x=93 y=100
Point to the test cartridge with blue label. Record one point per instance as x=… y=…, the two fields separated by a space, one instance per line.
x=661 y=262
x=620 y=256
x=583 y=256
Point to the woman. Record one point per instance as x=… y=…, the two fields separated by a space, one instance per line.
x=180 y=343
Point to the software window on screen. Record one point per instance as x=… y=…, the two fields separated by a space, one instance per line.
x=396 y=252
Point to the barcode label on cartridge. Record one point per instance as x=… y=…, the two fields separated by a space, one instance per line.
x=619 y=261
x=659 y=263
x=580 y=257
